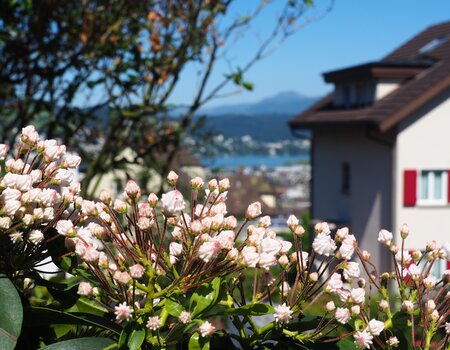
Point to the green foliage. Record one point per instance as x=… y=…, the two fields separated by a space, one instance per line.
x=205 y=297
x=11 y=312
x=83 y=344
x=197 y=342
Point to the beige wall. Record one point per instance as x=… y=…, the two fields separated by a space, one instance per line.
x=424 y=143
x=385 y=87
x=367 y=208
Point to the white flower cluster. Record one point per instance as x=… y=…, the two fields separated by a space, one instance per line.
x=36 y=189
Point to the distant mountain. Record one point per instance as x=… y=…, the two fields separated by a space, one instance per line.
x=287 y=102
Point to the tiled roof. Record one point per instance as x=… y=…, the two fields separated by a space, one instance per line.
x=428 y=52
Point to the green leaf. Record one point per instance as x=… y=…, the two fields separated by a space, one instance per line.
x=205 y=297
x=91 y=307
x=136 y=339
x=248 y=86
x=43 y=316
x=346 y=344
x=173 y=308
x=305 y=323
x=82 y=344
x=11 y=312
x=196 y=342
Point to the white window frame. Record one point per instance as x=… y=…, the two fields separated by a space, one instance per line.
x=430 y=180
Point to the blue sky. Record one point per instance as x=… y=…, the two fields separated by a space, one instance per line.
x=354 y=32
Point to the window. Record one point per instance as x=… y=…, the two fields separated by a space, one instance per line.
x=345 y=178
x=432 y=187
x=433 y=44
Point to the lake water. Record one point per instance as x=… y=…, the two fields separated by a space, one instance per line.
x=234 y=162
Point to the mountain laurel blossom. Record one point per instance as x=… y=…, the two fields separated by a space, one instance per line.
x=283 y=313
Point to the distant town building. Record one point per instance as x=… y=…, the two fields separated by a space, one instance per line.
x=381 y=142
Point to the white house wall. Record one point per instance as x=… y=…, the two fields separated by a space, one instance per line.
x=370 y=181
x=424 y=143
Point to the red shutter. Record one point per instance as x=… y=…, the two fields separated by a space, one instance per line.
x=448 y=186
x=409 y=188
x=448 y=265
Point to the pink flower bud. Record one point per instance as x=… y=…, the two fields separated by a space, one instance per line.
x=253 y=211
x=431 y=245
x=185 y=317
x=88 y=208
x=330 y=306
x=213 y=185
x=224 y=185
x=341 y=234
x=172 y=202
x=404 y=231
x=136 y=271
x=172 y=178
x=132 y=190
x=122 y=277
x=5 y=222
x=145 y=223
x=152 y=200
x=206 y=329
x=3 y=151
x=408 y=306
x=11 y=207
x=429 y=282
x=85 y=289
x=120 y=206
x=355 y=310
x=65 y=227
x=229 y=223
x=196 y=183
x=385 y=237
x=71 y=161
x=292 y=222
x=175 y=249
x=264 y=221
x=105 y=197
x=29 y=135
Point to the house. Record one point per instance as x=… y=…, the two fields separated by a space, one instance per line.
x=381 y=145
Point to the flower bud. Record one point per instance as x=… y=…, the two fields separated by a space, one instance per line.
x=408 y=306
x=224 y=185
x=229 y=223
x=431 y=245
x=213 y=185
x=292 y=222
x=394 y=249
x=330 y=306
x=299 y=231
x=152 y=200
x=132 y=190
x=3 y=151
x=105 y=197
x=384 y=305
x=356 y=310
x=264 y=221
x=120 y=206
x=341 y=234
x=404 y=231
x=172 y=178
x=253 y=211
x=313 y=276
x=136 y=271
x=197 y=183
x=283 y=261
